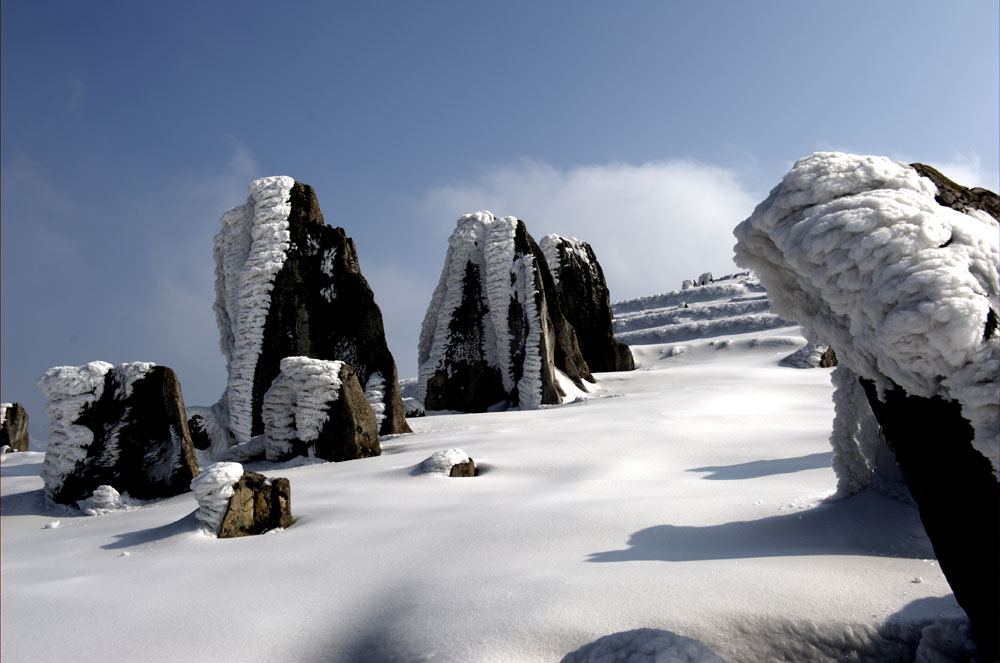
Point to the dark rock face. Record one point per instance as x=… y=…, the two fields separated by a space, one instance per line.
x=322 y=307
x=828 y=359
x=957 y=495
x=289 y=285
x=14 y=428
x=467 y=469
x=586 y=302
x=495 y=331
x=351 y=431
x=258 y=505
x=140 y=445
x=958 y=197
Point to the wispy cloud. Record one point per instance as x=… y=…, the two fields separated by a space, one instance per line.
x=651 y=225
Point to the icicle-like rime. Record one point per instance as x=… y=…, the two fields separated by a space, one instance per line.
x=295 y=407
x=250 y=250
x=213 y=488
x=855 y=437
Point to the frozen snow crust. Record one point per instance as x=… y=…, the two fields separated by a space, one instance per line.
x=488 y=243
x=249 y=251
x=857 y=250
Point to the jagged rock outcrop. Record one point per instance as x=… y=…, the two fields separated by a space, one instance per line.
x=586 y=302
x=494 y=331
x=14 y=427
x=289 y=285
x=122 y=426
x=233 y=502
x=899 y=269
x=811 y=355
x=317 y=408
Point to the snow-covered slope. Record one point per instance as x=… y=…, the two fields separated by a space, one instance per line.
x=685 y=496
x=733 y=304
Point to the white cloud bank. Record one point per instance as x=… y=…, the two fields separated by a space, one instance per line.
x=651 y=225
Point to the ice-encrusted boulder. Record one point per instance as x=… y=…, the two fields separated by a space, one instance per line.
x=811 y=355
x=494 y=331
x=317 y=408
x=898 y=269
x=122 y=426
x=449 y=463
x=289 y=285
x=586 y=302
x=14 y=427
x=233 y=502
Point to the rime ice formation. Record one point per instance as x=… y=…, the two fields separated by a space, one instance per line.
x=586 y=302
x=494 y=330
x=897 y=268
x=317 y=408
x=213 y=488
x=289 y=285
x=859 y=252
x=121 y=426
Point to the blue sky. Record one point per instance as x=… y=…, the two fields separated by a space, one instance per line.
x=649 y=129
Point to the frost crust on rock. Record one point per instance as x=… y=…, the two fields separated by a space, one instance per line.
x=249 y=251
x=295 y=407
x=857 y=250
x=70 y=390
x=213 y=488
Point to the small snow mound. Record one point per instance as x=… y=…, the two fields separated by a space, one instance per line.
x=104 y=499
x=441 y=462
x=213 y=488
x=52 y=524
x=644 y=645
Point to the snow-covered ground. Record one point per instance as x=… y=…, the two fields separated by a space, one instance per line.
x=686 y=496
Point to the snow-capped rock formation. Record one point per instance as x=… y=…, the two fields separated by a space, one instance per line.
x=289 y=285
x=317 y=408
x=122 y=426
x=898 y=269
x=14 y=427
x=586 y=302
x=494 y=330
x=811 y=355
x=644 y=645
x=233 y=502
x=449 y=463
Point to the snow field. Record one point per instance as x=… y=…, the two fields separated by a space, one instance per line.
x=684 y=496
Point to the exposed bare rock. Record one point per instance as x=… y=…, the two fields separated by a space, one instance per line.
x=14 y=427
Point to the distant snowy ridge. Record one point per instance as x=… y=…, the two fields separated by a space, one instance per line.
x=249 y=250
x=732 y=304
x=858 y=250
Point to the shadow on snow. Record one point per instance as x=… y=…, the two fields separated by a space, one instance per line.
x=763 y=468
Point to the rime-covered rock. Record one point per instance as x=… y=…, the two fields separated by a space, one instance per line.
x=14 y=426
x=899 y=269
x=449 y=463
x=317 y=408
x=494 y=331
x=810 y=355
x=289 y=285
x=233 y=502
x=586 y=302
x=121 y=426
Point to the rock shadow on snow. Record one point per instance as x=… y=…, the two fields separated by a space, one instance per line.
x=763 y=468
x=187 y=524
x=866 y=524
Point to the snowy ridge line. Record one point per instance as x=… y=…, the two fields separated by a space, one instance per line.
x=69 y=389
x=295 y=406
x=703 y=329
x=725 y=287
x=857 y=249
x=245 y=272
x=662 y=317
